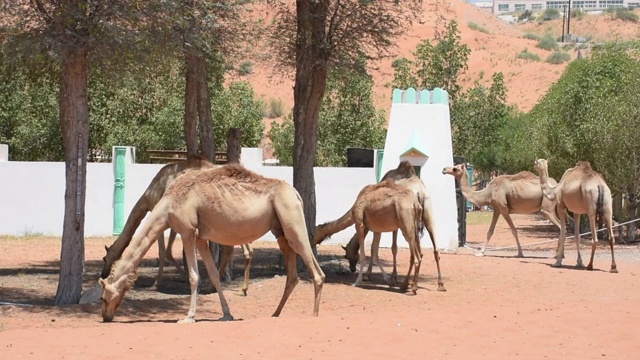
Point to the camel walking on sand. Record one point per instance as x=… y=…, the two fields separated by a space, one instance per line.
x=507 y=194
x=581 y=190
x=384 y=207
x=229 y=205
x=146 y=203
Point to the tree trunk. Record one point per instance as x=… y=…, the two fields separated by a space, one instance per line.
x=234 y=139
x=191 y=102
x=74 y=121
x=207 y=139
x=632 y=210
x=308 y=91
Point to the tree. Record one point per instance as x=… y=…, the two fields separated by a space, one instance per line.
x=71 y=31
x=347 y=118
x=319 y=35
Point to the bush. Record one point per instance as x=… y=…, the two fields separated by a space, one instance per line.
x=245 y=68
x=275 y=110
x=527 y=55
x=625 y=15
x=566 y=47
x=550 y=14
x=399 y=62
x=531 y=36
x=558 y=57
x=526 y=15
x=577 y=13
x=477 y=27
x=547 y=43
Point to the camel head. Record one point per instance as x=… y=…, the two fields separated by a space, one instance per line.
x=113 y=293
x=351 y=252
x=540 y=165
x=457 y=171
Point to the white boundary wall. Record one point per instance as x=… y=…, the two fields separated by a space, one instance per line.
x=32 y=195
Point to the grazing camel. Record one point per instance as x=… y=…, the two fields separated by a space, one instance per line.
x=231 y=206
x=384 y=207
x=581 y=190
x=403 y=175
x=507 y=194
x=145 y=203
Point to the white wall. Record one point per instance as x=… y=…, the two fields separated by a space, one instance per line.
x=32 y=195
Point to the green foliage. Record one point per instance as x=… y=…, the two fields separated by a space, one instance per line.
x=526 y=15
x=531 y=36
x=547 y=43
x=623 y=14
x=527 y=55
x=348 y=118
x=480 y=113
x=476 y=27
x=399 y=62
x=558 y=57
x=245 y=68
x=578 y=14
x=437 y=65
x=550 y=14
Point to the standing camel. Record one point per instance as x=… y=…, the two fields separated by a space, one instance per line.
x=146 y=203
x=385 y=207
x=507 y=194
x=229 y=205
x=581 y=190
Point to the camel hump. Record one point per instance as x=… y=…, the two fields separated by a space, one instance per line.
x=583 y=164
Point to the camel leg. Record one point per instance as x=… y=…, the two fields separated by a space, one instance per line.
x=428 y=223
x=415 y=254
x=550 y=214
x=172 y=238
x=562 y=213
x=492 y=227
x=292 y=272
x=405 y=283
x=576 y=232
x=594 y=239
x=227 y=254
x=374 y=256
x=507 y=217
x=188 y=242
x=214 y=276
x=162 y=255
x=362 y=233
x=608 y=220
x=247 y=251
x=394 y=252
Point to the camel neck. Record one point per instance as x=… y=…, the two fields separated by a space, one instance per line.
x=544 y=182
x=478 y=198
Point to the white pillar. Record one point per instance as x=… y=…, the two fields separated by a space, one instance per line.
x=4 y=152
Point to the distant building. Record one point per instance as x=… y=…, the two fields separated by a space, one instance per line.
x=515 y=6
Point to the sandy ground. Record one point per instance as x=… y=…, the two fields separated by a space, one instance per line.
x=495 y=307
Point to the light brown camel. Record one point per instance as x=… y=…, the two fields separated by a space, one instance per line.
x=581 y=190
x=145 y=203
x=507 y=194
x=403 y=175
x=231 y=206
x=384 y=207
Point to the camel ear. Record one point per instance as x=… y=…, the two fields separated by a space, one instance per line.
x=343 y=247
x=106 y=248
x=102 y=282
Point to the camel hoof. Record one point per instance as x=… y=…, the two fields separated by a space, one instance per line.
x=479 y=254
x=520 y=255
x=441 y=288
x=244 y=292
x=411 y=293
x=227 y=317
x=613 y=270
x=589 y=268
x=187 y=321
x=357 y=284
x=556 y=265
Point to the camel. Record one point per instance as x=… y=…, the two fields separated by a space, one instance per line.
x=507 y=194
x=145 y=203
x=229 y=205
x=581 y=190
x=403 y=175
x=384 y=207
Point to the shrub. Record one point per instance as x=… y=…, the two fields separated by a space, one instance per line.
x=547 y=43
x=550 y=14
x=558 y=57
x=245 y=68
x=566 y=47
x=531 y=36
x=625 y=15
x=477 y=27
x=577 y=13
x=526 y=15
x=228 y=66
x=275 y=110
x=399 y=62
x=527 y=55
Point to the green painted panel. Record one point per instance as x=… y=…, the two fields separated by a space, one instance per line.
x=380 y=156
x=118 y=190
x=410 y=96
x=396 y=96
x=440 y=96
x=425 y=97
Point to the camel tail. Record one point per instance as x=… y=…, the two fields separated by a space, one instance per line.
x=418 y=207
x=600 y=204
x=325 y=230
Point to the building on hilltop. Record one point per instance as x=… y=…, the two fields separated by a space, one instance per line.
x=514 y=6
